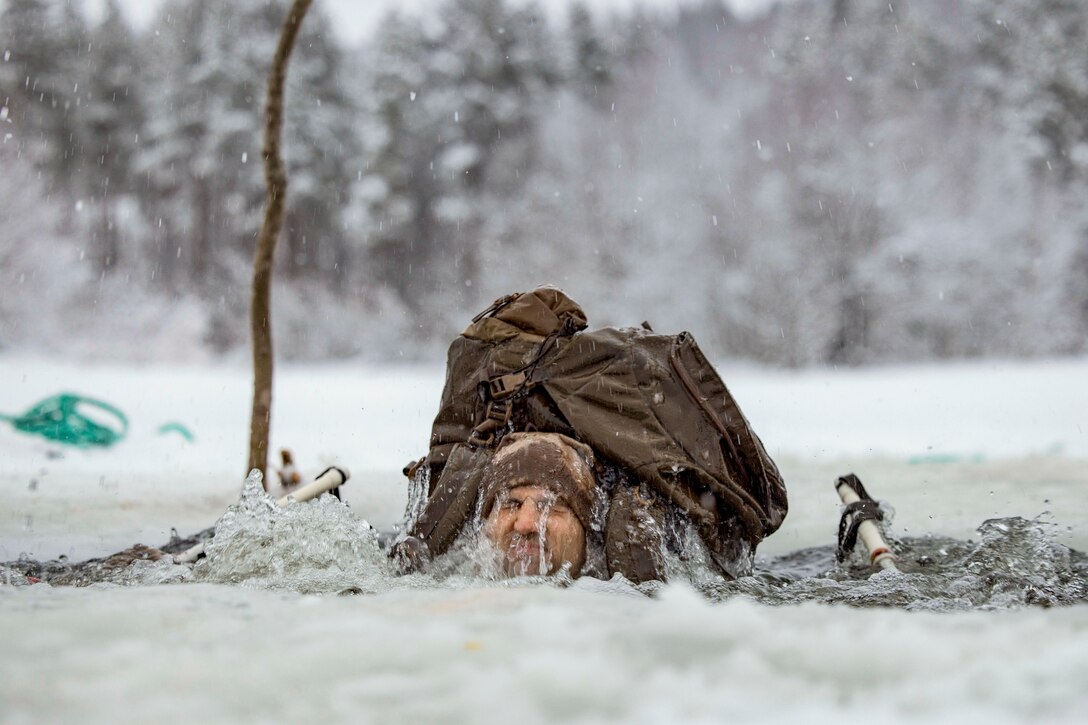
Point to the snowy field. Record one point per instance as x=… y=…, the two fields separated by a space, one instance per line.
x=947 y=446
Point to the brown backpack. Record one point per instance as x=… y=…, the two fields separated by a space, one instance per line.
x=667 y=431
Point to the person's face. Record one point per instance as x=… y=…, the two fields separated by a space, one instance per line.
x=536 y=532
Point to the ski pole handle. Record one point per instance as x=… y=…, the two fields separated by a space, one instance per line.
x=190 y=555
x=880 y=553
x=332 y=477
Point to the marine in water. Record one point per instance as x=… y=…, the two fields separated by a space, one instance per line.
x=538 y=502
x=660 y=460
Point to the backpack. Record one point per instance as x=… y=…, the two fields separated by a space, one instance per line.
x=668 y=434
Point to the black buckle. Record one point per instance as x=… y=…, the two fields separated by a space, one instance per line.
x=497 y=416
x=505 y=386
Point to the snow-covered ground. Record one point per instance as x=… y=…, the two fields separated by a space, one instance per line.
x=948 y=446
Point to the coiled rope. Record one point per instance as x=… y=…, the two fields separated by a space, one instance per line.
x=58 y=419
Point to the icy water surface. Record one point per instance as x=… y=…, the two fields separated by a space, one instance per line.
x=1014 y=562
x=324 y=547
x=296 y=616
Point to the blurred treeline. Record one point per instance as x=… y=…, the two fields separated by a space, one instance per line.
x=837 y=181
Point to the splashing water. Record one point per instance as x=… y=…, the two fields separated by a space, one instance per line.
x=419 y=485
x=322 y=546
x=543 y=556
x=1016 y=563
x=317 y=546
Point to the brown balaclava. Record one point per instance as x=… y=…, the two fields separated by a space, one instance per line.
x=550 y=460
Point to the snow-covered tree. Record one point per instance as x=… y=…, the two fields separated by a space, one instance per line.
x=321 y=146
x=1035 y=67
x=592 y=71
x=112 y=117
x=202 y=152
x=457 y=99
x=832 y=182
x=1032 y=69
x=43 y=48
x=202 y=130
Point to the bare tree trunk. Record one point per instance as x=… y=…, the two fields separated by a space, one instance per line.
x=276 y=177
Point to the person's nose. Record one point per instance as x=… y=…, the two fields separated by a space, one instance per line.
x=528 y=519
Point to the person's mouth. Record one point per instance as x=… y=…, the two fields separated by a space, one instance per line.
x=524 y=548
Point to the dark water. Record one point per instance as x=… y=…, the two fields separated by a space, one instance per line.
x=1015 y=562
x=115 y=569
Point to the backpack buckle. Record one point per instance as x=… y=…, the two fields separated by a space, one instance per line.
x=496 y=417
x=505 y=386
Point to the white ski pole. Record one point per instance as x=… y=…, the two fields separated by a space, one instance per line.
x=880 y=554
x=331 y=478
x=327 y=481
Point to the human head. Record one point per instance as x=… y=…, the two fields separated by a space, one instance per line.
x=538 y=499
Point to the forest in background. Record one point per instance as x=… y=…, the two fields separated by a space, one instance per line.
x=834 y=182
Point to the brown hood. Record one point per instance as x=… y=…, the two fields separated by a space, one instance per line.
x=550 y=460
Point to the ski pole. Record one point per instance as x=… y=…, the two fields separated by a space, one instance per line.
x=331 y=478
x=863 y=526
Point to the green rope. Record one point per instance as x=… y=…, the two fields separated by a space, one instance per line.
x=177 y=428
x=57 y=419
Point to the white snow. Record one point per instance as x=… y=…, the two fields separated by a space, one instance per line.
x=203 y=653
x=948 y=446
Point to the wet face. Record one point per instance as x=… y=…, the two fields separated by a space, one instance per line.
x=535 y=532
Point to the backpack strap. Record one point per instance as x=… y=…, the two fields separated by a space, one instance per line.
x=453 y=498
x=496 y=306
x=496 y=417
x=502 y=390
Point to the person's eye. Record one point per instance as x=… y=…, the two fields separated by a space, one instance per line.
x=511 y=505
